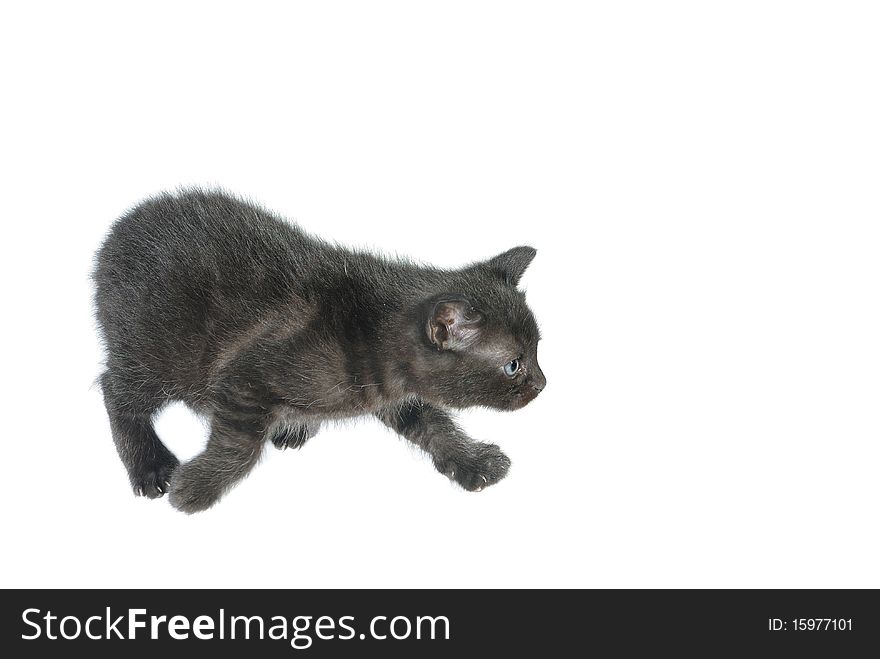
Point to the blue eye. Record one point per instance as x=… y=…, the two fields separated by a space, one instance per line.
x=510 y=368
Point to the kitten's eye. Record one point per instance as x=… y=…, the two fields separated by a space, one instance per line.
x=510 y=368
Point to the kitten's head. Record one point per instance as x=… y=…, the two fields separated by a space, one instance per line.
x=481 y=339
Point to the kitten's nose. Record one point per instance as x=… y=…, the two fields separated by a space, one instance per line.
x=538 y=380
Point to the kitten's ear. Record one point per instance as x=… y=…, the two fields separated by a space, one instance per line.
x=453 y=324
x=511 y=265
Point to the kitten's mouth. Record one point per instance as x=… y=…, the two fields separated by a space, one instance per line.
x=521 y=400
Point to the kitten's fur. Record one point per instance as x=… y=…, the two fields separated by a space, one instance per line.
x=267 y=331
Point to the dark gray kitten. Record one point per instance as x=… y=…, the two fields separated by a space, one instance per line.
x=268 y=332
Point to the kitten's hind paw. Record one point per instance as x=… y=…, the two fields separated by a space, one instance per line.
x=478 y=468
x=190 y=495
x=152 y=481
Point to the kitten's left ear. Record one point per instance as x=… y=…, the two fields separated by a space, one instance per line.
x=453 y=324
x=511 y=264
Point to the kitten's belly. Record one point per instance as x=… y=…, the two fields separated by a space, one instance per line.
x=326 y=410
x=328 y=392
x=339 y=403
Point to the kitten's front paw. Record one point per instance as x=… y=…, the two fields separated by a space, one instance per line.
x=481 y=466
x=189 y=494
x=294 y=436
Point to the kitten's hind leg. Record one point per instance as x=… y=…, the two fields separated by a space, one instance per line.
x=234 y=447
x=294 y=435
x=148 y=461
x=473 y=465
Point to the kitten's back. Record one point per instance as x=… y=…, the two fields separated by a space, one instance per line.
x=181 y=274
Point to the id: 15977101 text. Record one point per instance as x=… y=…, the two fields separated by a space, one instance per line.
x=810 y=625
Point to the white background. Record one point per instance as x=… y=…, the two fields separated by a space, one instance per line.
x=700 y=180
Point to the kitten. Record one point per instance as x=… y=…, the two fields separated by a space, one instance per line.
x=268 y=332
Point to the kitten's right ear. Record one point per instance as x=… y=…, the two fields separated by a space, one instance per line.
x=453 y=324
x=511 y=264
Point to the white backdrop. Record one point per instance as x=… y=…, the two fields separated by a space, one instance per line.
x=700 y=180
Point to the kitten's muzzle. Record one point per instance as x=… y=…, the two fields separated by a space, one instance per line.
x=537 y=380
x=528 y=392
x=523 y=398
